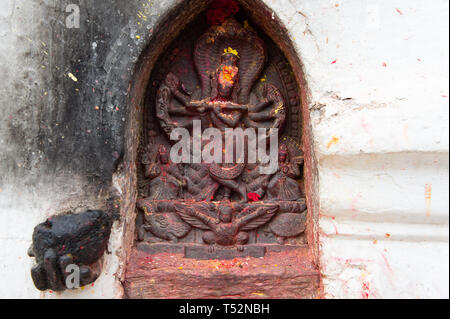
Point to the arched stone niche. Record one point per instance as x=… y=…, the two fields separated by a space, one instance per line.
x=171 y=49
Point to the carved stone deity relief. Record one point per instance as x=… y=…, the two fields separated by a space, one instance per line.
x=225 y=75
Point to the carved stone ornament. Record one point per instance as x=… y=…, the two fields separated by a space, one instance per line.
x=69 y=244
x=224 y=77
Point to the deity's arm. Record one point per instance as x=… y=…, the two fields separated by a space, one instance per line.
x=175 y=172
x=261 y=105
x=293 y=170
x=165 y=105
x=241 y=222
x=207 y=220
x=171 y=90
x=261 y=116
x=198 y=106
x=257 y=115
x=184 y=100
x=274 y=179
x=181 y=97
x=174 y=180
x=181 y=111
x=235 y=107
x=152 y=170
x=277 y=112
x=264 y=180
x=244 y=220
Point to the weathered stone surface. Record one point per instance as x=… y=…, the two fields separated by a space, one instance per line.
x=278 y=275
x=224 y=253
x=152 y=249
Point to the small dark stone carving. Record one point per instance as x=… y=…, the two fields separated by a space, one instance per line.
x=166 y=178
x=283 y=185
x=78 y=239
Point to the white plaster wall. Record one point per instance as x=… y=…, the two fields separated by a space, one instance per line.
x=378 y=76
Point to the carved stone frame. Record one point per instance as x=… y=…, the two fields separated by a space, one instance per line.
x=169 y=28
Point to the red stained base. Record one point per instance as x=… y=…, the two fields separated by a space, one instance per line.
x=282 y=275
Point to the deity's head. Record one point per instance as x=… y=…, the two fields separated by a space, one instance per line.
x=163 y=154
x=172 y=81
x=228 y=72
x=283 y=153
x=225 y=214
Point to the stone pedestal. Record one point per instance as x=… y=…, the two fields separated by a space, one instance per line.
x=288 y=274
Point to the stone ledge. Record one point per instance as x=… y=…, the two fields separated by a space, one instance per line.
x=282 y=275
x=196 y=251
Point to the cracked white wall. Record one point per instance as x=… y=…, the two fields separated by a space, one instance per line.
x=378 y=75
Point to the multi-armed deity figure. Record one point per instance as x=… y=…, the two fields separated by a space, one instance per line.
x=227 y=101
x=229 y=60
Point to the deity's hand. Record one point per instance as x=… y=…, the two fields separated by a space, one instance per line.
x=271 y=93
x=200 y=106
x=266 y=100
x=197 y=103
x=299 y=160
x=234 y=107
